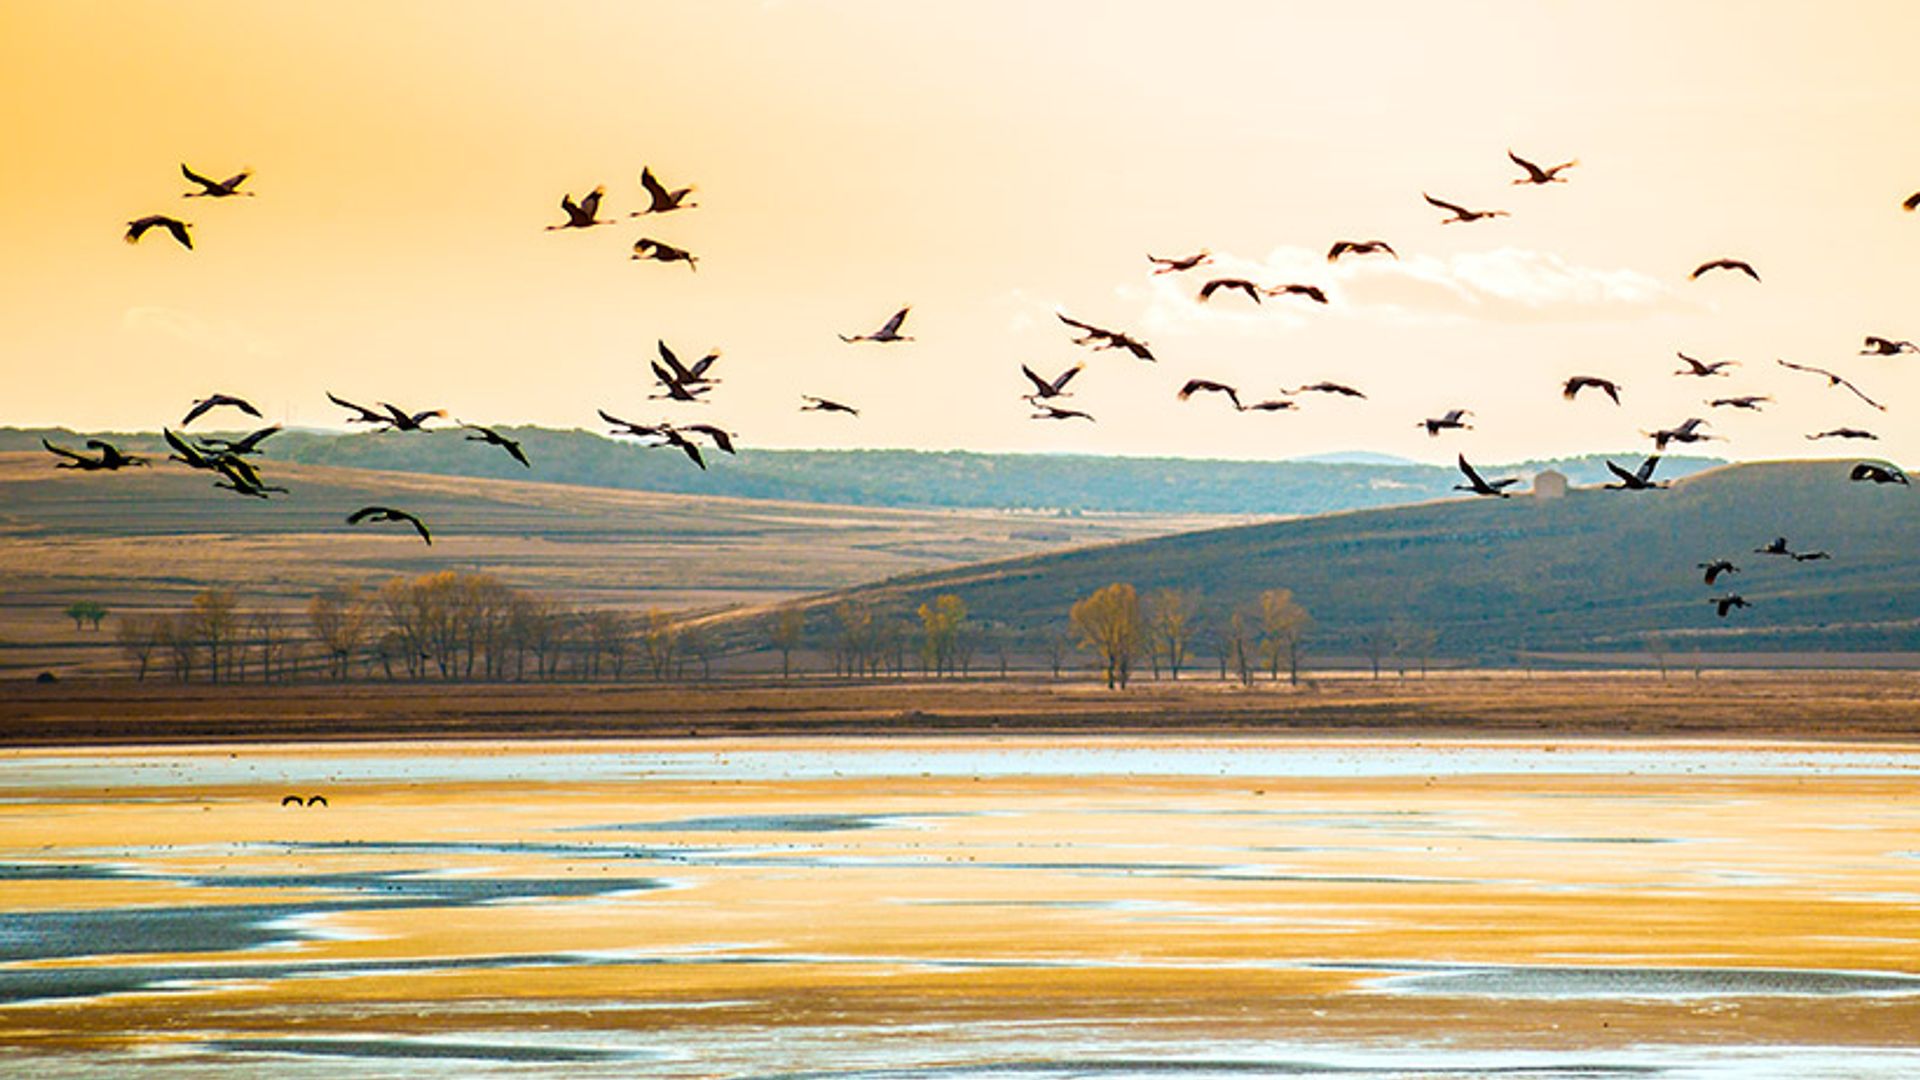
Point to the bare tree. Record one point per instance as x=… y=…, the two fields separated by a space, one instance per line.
x=788 y=629
x=272 y=641
x=660 y=641
x=139 y=636
x=214 y=621
x=1170 y=623
x=1283 y=630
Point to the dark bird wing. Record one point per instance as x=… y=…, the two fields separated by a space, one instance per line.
x=418 y=525
x=680 y=373
x=1040 y=385
x=1912 y=201
x=66 y=453
x=1078 y=325
x=893 y=325
x=590 y=207
x=1445 y=205
x=203 y=181
x=660 y=199
x=1534 y=172
x=1473 y=477
x=179 y=231
x=1059 y=384
x=199 y=408
x=720 y=438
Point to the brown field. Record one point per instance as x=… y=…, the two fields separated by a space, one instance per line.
x=148 y=539
x=1744 y=705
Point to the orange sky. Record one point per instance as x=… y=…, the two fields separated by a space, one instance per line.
x=988 y=163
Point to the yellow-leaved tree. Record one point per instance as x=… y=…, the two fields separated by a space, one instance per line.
x=1108 y=623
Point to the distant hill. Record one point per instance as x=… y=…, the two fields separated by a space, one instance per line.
x=1594 y=570
x=1064 y=483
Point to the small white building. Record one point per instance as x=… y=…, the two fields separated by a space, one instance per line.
x=1550 y=484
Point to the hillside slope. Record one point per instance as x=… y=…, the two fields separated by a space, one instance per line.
x=902 y=478
x=1597 y=569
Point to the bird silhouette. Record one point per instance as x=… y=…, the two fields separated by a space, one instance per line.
x=1454 y=420
x=1311 y=292
x=722 y=439
x=628 y=427
x=1171 y=266
x=1048 y=411
x=1327 y=388
x=1725 y=264
x=1912 y=201
x=1879 y=474
x=1097 y=338
x=1461 y=213
x=820 y=404
x=1715 y=568
x=1581 y=382
x=1051 y=389
x=675 y=389
x=1776 y=546
x=1359 y=247
x=1272 y=405
x=388 y=513
x=214 y=189
x=684 y=375
x=246 y=444
x=1538 y=175
x=1242 y=284
x=1728 y=602
x=1640 y=479
x=110 y=459
x=645 y=248
x=138 y=227
x=1750 y=402
x=889 y=332
x=582 y=215
x=1879 y=346
x=1844 y=433
x=493 y=438
x=399 y=419
x=293 y=800
x=1479 y=486
x=1687 y=432
x=366 y=415
x=213 y=401
x=1208 y=385
x=1832 y=381
x=1703 y=369
x=661 y=200
x=241 y=479
x=1810 y=556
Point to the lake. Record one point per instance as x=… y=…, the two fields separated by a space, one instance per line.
x=964 y=907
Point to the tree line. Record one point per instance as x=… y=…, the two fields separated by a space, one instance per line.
x=448 y=626
x=453 y=626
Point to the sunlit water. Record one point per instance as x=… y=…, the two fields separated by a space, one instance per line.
x=960 y=908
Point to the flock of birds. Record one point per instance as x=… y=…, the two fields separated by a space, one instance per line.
x=680 y=382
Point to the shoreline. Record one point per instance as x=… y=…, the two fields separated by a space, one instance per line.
x=1797 y=706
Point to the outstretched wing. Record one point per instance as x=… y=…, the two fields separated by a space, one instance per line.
x=1445 y=205
x=64 y=452
x=1040 y=385
x=1472 y=476
x=893 y=325
x=1534 y=172
x=657 y=194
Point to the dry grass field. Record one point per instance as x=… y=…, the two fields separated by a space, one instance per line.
x=1741 y=706
x=148 y=539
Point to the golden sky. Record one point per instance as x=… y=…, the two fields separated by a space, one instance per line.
x=988 y=163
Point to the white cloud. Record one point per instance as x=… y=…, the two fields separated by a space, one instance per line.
x=1502 y=285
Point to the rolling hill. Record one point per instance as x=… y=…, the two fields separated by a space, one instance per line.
x=1062 y=483
x=1595 y=570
